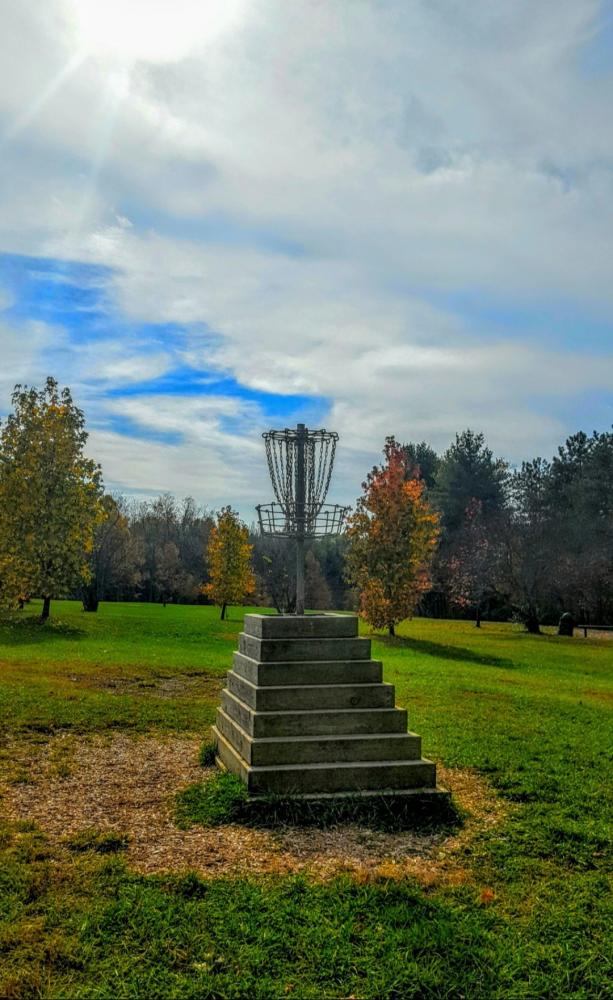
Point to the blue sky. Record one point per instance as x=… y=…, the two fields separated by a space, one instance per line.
x=377 y=217
x=73 y=297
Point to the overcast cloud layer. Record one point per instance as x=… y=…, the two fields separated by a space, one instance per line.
x=378 y=216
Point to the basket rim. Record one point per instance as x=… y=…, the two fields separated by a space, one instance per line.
x=331 y=523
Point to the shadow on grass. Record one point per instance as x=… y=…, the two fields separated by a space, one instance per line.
x=437 y=649
x=223 y=799
x=15 y=631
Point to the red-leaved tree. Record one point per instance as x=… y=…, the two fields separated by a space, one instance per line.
x=392 y=536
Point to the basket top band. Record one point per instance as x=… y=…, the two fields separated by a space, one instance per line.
x=318 y=520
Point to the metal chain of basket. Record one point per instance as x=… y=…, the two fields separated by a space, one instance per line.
x=300 y=463
x=281 y=453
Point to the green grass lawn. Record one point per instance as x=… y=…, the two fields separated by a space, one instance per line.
x=531 y=714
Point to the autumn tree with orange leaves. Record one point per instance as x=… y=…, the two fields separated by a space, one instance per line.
x=229 y=558
x=392 y=536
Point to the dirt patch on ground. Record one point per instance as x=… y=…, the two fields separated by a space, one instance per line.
x=605 y=696
x=182 y=685
x=127 y=784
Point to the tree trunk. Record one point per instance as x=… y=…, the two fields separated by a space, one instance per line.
x=223 y=610
x=478 y=616
x=45 y=612
x=392 y=629
x=90 y=598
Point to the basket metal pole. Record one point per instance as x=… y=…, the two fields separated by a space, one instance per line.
x=301 y=438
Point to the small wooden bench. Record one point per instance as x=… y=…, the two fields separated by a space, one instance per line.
x=594 y=628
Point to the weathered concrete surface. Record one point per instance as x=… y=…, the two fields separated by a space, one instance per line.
x=301 y=626
x=310 y=696
x=299 y=779
x=317 y=749
x=305 y=712
x=320 y=722
x=273 y=650
x=308 y=671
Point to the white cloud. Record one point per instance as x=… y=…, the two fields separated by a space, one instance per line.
x=387 y=362
x=200 y=419
x=118 y=363
x=209 y=461
x=407 y=150
x=22 y=350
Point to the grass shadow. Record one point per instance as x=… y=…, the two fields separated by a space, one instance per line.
x=223 y=799
x=15 y=631
x=460 y=653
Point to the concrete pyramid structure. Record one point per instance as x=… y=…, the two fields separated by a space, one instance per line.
x=305 y=712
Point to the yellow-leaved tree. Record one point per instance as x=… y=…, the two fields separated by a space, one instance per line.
x=229 y=561
x=392 y=536
x=49 y=496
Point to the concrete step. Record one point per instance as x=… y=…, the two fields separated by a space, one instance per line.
x=274 y=650
x=303 y=672
x=306 y=697
x=301 y=626
x=314 y=723
x=317 y=749
x=299 y=779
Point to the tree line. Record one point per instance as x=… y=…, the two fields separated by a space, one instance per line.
x=460 y=533
x=532 y=541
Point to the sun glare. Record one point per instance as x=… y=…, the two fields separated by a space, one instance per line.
x=152 y=30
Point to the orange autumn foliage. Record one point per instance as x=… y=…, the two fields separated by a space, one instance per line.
x=392 y=538
x=229 y=558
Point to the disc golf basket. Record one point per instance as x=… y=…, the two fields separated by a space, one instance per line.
x=300 y=464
